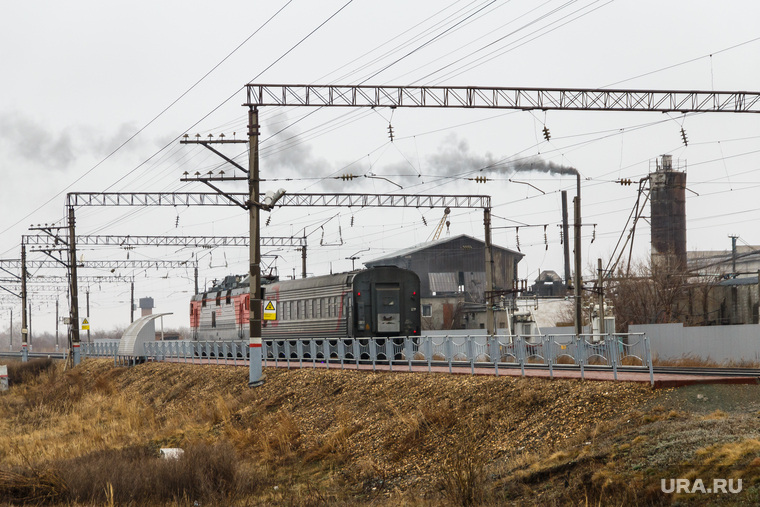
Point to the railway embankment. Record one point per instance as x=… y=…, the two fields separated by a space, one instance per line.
x=91 y=435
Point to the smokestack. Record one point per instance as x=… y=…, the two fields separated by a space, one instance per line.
x=565 y=238
x=668 y=212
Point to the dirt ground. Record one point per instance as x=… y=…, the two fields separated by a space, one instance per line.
x=344 y=437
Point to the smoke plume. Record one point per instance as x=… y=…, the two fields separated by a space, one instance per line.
x=537 y=164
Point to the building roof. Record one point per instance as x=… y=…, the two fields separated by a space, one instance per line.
x=746 y=280
x=424 y=246
x=548 y=276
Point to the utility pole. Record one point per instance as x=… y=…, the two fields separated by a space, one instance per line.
x=490 y=325
x=132 y=301
x=56 y=325
x=73 y=290
x=88 y=314
x=303 y=258
x=733 y=254
x=578 y=279
x=10 y=334
x=600 y=283
x=254 y=314
x=24 y=329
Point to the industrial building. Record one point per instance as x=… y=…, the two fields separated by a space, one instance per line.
x=728 y=291
x=549 y=284
x=453 y=279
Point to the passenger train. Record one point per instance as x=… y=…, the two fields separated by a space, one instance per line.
x=381 y=301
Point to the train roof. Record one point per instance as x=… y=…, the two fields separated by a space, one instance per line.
x=345 y=278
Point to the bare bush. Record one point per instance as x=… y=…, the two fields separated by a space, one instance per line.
x=136 y=475
x=20 y=373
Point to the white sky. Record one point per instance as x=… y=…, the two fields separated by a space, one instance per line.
x=82 y=78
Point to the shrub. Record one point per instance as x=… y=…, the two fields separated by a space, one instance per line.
x=136 y=475
x=20 y=373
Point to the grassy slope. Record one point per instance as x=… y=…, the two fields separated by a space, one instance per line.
x=331 y=437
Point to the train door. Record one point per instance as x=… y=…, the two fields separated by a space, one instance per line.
x=387 y=300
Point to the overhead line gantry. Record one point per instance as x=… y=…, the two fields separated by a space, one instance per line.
x=477 y=97
x=525 y=99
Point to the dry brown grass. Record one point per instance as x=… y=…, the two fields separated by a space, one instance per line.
x=20 y=373
x=730 y=454
x=207 y=473
x=464 y=480
x=305 y=437
x=690 y=360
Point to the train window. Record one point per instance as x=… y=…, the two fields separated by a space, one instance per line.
x=213 y=319
x=427 y=310
x=219 y=299
x=229 y=297
x=203 y=300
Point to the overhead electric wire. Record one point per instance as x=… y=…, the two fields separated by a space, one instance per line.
x=129 y=139
x=479 y=61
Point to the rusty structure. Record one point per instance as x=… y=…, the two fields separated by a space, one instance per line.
x=668 y=215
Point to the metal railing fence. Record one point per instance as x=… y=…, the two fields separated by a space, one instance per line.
x=552 y=352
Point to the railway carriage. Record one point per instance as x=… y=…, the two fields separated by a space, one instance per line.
x=377 y=302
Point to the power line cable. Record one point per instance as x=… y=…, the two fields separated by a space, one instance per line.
x=107 y=157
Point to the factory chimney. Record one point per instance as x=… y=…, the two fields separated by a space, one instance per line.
x=668 y=215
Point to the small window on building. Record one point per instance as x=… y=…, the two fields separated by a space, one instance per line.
x=228 y=299
x=218 y=299
x=203 y=300
x=427 y=310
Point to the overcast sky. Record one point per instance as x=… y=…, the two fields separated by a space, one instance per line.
x=95 y=96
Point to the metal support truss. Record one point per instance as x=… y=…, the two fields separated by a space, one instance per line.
x=37 y=297
x=324 y=200
x=114 y=264
x=45 y=242
x=472 y=97
x=54 y=279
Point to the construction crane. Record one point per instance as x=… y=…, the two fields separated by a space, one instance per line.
x=440 y=224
